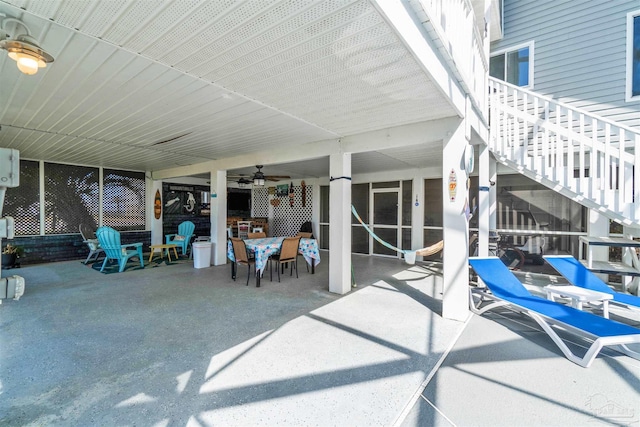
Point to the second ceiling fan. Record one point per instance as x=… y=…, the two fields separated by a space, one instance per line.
x=259 y=178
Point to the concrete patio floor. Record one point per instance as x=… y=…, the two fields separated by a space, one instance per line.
x=174 y=346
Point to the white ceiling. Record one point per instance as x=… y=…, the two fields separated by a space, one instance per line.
x=150 y=85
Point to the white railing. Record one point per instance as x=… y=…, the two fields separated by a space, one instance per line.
x=455 y=23
x=585 y=157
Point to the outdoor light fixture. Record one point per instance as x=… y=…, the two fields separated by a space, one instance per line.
x=243 y=182
x=258 y=177
x=23 y=48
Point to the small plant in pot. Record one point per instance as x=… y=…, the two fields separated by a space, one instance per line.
x=10 y=256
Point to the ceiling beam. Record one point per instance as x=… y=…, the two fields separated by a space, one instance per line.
x=427 y=133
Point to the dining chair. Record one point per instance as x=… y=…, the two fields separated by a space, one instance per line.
x=257 y=235
x=305 y=236
x=288 y=254
x=243 y=229
x=241 y=256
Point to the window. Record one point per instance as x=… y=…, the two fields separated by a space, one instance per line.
x=513 y=65
x=633 y=56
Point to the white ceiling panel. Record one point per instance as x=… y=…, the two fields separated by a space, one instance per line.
x=149 y=85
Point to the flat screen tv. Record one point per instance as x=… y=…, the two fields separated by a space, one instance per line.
x=237 y=201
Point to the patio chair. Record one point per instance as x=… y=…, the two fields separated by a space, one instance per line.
x=110 y=241
x=241 y=256
x=257 y=235
x=184 y=236
x=579 y=275
x=307 y=227
x=507 y=291
x=243 y=229
x=88 y=234
x=288 y=254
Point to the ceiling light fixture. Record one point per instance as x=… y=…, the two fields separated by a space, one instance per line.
x=258 y=177
x=243 y=182
x=23 y=48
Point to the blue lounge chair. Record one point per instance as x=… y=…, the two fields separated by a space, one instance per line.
x=579 y=275
x=507 y=291
x=182 y=239
x=110 y=241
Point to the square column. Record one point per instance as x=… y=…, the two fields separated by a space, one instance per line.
x=340 y=223
x=455 y=201
x=417 y=213
x=218 y=209
x=483 y=200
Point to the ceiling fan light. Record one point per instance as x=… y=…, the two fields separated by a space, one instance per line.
x=258 y=181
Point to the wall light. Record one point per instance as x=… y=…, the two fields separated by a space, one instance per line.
x=23 y=48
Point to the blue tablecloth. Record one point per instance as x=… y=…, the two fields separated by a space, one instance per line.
x=265 y=247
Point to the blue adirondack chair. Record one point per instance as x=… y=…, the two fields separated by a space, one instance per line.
x=109 y=240
x=182 y=239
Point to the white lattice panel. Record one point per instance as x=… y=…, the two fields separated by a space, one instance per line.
x=287 y=219
x=260 y=201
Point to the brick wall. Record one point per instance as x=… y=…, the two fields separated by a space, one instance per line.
x=64 y=247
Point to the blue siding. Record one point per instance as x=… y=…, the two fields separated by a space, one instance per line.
x=580 y=51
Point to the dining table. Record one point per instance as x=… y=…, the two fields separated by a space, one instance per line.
x=263 y=248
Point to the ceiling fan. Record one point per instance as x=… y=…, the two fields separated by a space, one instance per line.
x=258 y=177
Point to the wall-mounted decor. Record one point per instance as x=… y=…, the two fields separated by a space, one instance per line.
x=282 y=190
x=157 y=205
x=291 y=195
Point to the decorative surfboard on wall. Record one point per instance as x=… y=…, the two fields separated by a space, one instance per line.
x=157 y=205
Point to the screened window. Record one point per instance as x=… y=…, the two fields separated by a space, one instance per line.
x=123 y=200
x=513 y=65
x=633 y=55
x=71 y=197
x=23 y=202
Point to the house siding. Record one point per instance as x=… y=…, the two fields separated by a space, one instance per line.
x=580 y=52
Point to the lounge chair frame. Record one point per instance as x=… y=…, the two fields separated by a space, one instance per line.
x=519 y=304
x=572 y=269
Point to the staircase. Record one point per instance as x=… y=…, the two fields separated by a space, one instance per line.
x=584 y=157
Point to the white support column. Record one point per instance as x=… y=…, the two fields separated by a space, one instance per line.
x=218 y=206
x=315 y=209
x=340 y=220
x=417 y=214
x=155 y=225
x=598 y=227
x=456 y=227
x=629 y=257
x=493 y=194
x=483 y=200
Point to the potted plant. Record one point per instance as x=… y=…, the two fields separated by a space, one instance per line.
x=10 y=255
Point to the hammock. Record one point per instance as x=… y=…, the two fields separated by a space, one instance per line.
x=409 y=255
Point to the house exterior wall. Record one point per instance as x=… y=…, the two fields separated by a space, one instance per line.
x=579 y=52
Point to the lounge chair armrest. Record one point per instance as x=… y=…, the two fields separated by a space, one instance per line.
x=132 y=245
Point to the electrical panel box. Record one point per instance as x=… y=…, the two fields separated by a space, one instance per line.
x=7 y=228
x=9 y=167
